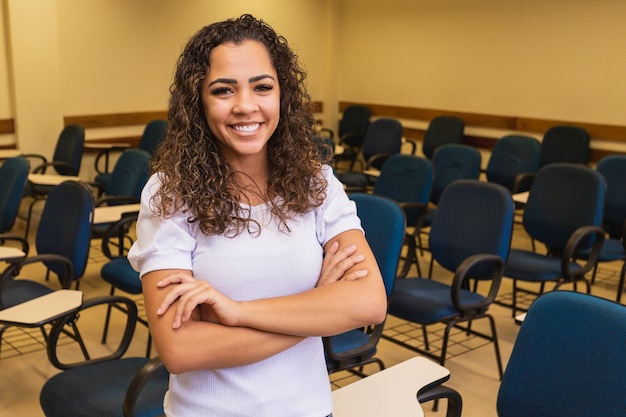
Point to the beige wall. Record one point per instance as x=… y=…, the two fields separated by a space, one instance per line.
x=549 y=59
x=559 y=59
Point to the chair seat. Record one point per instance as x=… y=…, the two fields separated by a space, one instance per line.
x=121 y=275
x=350 y=340
x=426 y=301
x=530 y=266
x=65 y=395
x=612 y=250
x=22 y=290
x=103 y=179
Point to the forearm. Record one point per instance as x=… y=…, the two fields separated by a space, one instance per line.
x=198 y=344
x=323 y=311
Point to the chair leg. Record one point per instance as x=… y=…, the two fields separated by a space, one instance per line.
x=107 y=318
x=496 y=345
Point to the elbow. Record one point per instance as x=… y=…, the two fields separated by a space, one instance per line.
x=175 y=360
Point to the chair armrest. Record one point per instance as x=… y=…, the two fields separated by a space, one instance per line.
x=465 y=271
x=41 y=158
x=421 y=209
x=455 y=402
x=413 y=145
x=25 y=246
x=377 y=160
x=105 y=153
x=351 y=139
x=140 y=380
x=328 y=132
x=66 y=278
x=523 y=182
x=375 y=333
x=112 y=232
x=73 y=320
x=41 y=169
x=571 y=246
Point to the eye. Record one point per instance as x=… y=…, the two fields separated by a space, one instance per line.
x=221 y=91
x=264 y=87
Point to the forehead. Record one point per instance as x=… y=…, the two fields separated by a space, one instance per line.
x=244 y=59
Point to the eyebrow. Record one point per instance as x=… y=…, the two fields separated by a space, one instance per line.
x=233 y=81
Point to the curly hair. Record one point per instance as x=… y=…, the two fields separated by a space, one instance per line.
x=194 y=175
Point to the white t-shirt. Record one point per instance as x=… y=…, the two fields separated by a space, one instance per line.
x=250 y=266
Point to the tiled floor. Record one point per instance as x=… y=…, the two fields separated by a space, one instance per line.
x=24 y=366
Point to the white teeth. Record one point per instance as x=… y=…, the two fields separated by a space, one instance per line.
x=247 y=128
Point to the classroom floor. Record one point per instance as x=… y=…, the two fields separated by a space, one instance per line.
x=24 y=366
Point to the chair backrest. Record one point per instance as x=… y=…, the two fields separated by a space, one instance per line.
x=355 y=119
x=472 y=217
x=69 y=150
x=129 y=175
x=406 y=179
x=562 y=198
x=383 y=136
x=384 y=224
x=567 y=360
x=513 y=155
x=65 y=225
x=451 y=163
x=153 y=134
x=442 y=130
x=13 y=177
x=565 y=144
x=613 y=169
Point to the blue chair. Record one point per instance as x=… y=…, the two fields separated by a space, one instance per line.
x=470 y=236
x=13 y=177
x=451 y=162
x=351 y=133
x=382 y=139
x=442 y=130
x=61 y=243
x=613 y=169
x=564 y=212
x=384 y=225
x=511 y=156
x=565 y=144
x=66 y=160
x=567 y=360
x=118 y=272
x=408 y=180
x=105 y=384
x=153 y=134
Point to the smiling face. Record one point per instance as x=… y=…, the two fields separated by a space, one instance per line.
x=241 y=99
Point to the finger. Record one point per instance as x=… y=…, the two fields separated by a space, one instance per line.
x=174 y=279
x=353 y=276
x=188 y=303
x=174 y=294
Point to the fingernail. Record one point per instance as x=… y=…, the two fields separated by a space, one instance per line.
x=160 y=311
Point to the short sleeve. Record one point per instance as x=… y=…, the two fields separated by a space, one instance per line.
x=338 y=213
x=161 y=243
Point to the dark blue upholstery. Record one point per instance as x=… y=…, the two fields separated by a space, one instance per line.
x=470 y=236
x=451 y=163
x=118 y=272
x=564 y=143
x=104 y=384
x=442 y=130
x=511 y=156
x=62 y=246
x=352 y=127
x=613 y=169
x=67 y=158
x=13 y=176
x=567 y=360
x=62 y=240
x=153 y=134
x=384 y=225
x=564 y=211
x=408 y=180
x=382 y=139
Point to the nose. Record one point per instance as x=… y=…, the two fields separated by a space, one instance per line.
x=245 y=103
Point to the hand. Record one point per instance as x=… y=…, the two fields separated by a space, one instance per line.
x=336 y=263
x=193 y=294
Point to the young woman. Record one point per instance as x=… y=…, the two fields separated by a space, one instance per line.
x=248 y=247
